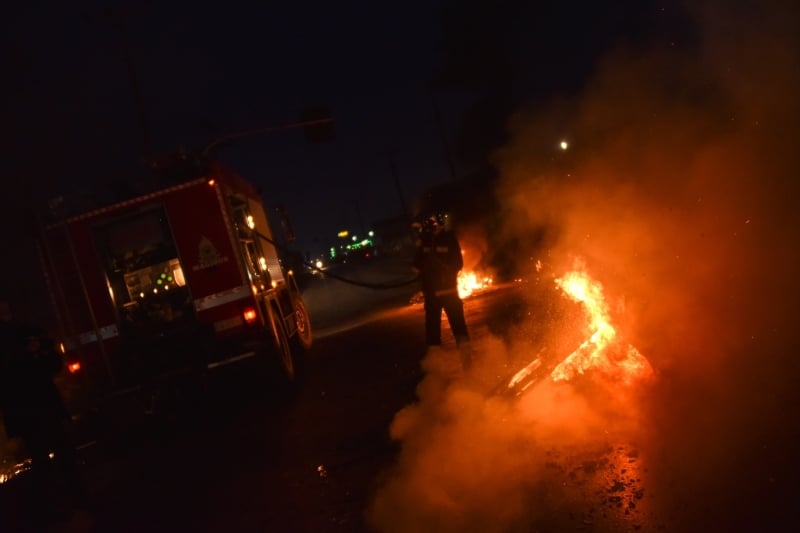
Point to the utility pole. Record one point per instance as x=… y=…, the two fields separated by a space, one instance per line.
x=437 y=117
x=399 y=189
x=116 y=20
x=144 y=127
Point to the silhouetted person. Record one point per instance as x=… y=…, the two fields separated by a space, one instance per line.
x=438 y=260
x=34 y=411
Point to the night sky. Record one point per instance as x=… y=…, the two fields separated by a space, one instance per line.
x=92 y=90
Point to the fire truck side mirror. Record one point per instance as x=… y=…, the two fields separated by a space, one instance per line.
x=320 y=128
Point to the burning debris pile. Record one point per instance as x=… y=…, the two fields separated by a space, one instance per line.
x=602 y=350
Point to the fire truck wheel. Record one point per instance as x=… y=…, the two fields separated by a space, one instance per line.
x=283 y=348
x=303 y=338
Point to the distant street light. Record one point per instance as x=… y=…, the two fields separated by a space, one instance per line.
x=564 y=145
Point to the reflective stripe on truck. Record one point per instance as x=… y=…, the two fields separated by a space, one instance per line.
x=88 y=337
x=221 y=298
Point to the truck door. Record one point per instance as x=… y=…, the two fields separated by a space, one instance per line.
x=255 y=261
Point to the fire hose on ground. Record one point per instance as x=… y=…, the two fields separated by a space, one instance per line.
x=343 y=279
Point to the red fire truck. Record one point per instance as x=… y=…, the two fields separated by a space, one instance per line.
x=176 y=282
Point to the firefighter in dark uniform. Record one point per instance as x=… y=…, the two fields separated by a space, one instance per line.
x=33 y=409
x=437 y=261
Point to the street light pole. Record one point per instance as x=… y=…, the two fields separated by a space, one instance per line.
x=227 y=139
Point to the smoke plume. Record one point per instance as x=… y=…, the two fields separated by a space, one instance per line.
x=678 y=191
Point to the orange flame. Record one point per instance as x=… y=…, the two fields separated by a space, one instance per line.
x=602 y=350
x=469 y=282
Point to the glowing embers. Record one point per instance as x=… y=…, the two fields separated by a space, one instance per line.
x=602 y=351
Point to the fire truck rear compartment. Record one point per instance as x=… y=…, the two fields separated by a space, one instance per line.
x=168 y=288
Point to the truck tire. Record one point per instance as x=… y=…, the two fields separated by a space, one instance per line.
x=283 y=347
x=303 y=338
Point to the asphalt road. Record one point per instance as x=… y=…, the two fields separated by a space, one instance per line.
x=243 y=454
x=382 y=438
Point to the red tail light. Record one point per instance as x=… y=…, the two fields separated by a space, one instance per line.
x=74 y=367
x=250 y=315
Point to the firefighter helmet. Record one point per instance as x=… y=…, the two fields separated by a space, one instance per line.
x=433 y=222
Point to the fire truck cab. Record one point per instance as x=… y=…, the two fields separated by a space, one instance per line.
x=178 y=281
